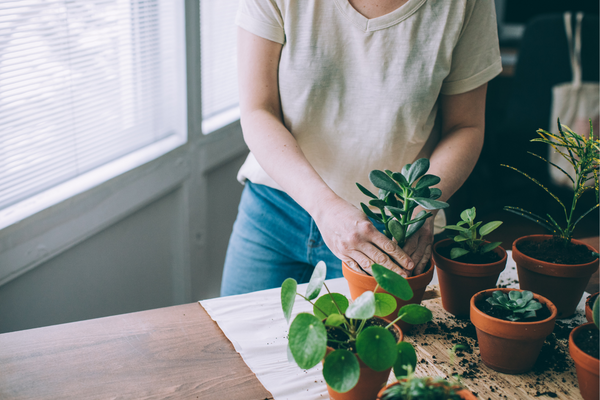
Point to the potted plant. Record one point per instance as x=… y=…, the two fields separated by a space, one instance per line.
x=589 y=305
x=357 y=348
x=511 y=327
x=583 y=347
x=543 y=262
x=467 y=263
x=399 y=194
x=411 y=387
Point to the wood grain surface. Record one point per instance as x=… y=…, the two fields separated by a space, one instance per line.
x=553 y=375
x=169 y=353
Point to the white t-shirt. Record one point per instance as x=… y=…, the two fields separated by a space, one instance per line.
x=361 y=94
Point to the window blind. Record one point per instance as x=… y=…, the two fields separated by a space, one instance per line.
x=82 y=83
x=219 y=70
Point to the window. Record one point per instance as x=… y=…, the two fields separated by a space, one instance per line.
x=219 y=75
x=84 y=83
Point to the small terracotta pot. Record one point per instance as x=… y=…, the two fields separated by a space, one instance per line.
x=510 y=347
x=460 y=281
x=464 y=394
x=369 y=381
x=587 y=367
x=589 y=304
x=562 y=284
x=359 y=283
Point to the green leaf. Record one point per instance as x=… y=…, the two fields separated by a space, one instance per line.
x=489 y=227
x=341 y=370
x=397 y=230
x=514 y=295
x=335 y=320
x=382 y=181
x=377 y=203
x=460 y=238
x=398 y=177
x=365 y=191
x=412 y=228
x=316 y=281
x=405 y=170
x=457 y=252
x=391 y=282
x=407 y=357
x=326 y=304
x=531 y=216
x=417 y=170
x=526 y=295
x=596 y=311
x=288 y=295
x=369 y=213
x=396 y=210
x=385 y=304
x=465 y=215
x=363 y=307
x=489 y=247
x=415 y=314
x=456 y=228
x=427 y=180
x=308 y=340
x=429 y=204
x=422 y=215
x=434 y=193
x=376 y=347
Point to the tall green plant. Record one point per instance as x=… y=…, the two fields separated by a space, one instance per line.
x=582 y=154
x=399 y=194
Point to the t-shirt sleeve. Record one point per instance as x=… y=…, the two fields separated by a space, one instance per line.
x=476 y=56
x=262 y=18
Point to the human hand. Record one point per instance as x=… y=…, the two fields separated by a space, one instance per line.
x=419 y=246
x=352 y=238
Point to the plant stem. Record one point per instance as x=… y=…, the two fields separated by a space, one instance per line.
x=336 y=305
x=394 y=321
x=314 y=305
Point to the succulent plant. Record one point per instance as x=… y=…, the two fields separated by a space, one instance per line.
x=467 y=236
x=520 y=303
x=399 y=194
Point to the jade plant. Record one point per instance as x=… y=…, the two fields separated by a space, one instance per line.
x=520 y=303
x=582 y=154
x=348 y=327
x=399 y=194
x=468 y=239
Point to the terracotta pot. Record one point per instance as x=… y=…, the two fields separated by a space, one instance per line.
x=460 y=281
x=510 y=347
x=369 y=381
x=586 y=366
x=464 y=394
x=562 y=284
x=359 y=283
x=589 y=304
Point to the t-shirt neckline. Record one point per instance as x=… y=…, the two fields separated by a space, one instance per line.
x=385 y=21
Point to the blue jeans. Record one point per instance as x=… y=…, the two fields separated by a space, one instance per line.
x=273 y=239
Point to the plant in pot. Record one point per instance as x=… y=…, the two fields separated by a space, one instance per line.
x=467 y=263
x=589 y=305
x=357 y=348
x=544 y=262
x=411 y=387
x=583 y=347
x=511 y=327
x=399 y=194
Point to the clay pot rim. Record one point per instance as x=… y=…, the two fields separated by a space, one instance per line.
x=550 y=264
x=365 y=277
x=443 y=242
x=541 y=299
x=585 y=359
x=461 y=393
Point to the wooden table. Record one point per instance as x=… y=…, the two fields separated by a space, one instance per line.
x=176 y=352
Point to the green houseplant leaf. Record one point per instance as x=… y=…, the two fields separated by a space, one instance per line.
x=391 y=282
x=363 y=307
x=288 y=295
x=415 y=314
x=308 y=340
x=385 y=304
x=406 y=362
x=376 y=347
x=325 y=304
x=417 y=170
x=382 y=181
x=316 y=281
x=341 y=370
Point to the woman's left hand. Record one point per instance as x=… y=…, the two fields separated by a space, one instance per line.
x=419 y=246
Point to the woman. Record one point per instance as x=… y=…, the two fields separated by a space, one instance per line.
x=332 y=89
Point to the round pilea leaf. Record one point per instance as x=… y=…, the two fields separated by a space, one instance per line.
x=385 y=304
x=406 y=361
x=316 y=281
x=415 y=314
x=288 y=295
x=391 y=282
x=325 y=304
x=363 y=307
x=341 y=370
x=335 y=320
x=376 y=346
x=307 y=340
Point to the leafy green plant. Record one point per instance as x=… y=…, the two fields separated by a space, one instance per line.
x=582 y=154
x=520 y=303
x=399 y=194
x=596 y=312
x=468 y=239
x=342 y=325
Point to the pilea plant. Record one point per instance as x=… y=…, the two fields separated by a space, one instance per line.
x=399 y=194
x=582 y=154
x=342 y=325
x=468 y=239
x=520 y=303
